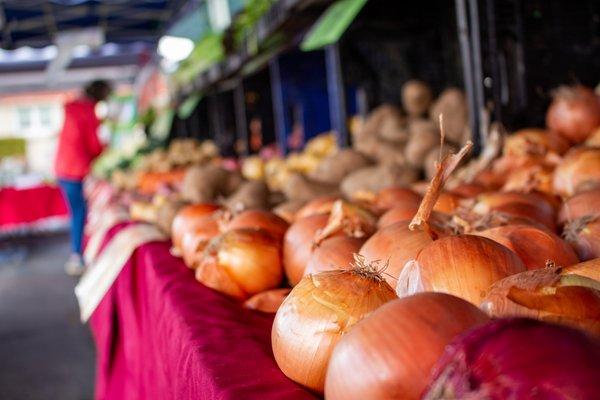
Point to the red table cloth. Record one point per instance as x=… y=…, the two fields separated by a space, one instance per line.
x=162 y=335
x=21 y=207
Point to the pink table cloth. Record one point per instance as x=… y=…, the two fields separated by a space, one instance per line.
x=22 y=207
x=162 y=335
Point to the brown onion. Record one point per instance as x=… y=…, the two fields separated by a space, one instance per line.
x=390 y=354
x=585 y=204
x=534 y=246
x=194 y=242
x=396 y=196
x=241 y=263
x=589 y=269
x=465 y=266
x=333 y=253
x=397 y=214
x=320 y=205
x=574 y=112
x=268 y=301
x=317 y=313
x=288 y=210
x=187 y=219
x=578 y=172
x=584 y=235
x=259 y=219
x=534 y=142
x=548 y=295
x=394 y=245
x=469 y=190
x=447 y=202
x=535 y=177
x=351 y=219
x=298 y=245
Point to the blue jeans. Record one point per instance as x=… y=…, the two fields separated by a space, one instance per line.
x=73 y=191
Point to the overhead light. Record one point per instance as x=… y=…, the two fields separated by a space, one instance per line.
x=175 y=48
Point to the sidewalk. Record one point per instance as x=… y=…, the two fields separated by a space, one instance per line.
x=45 y=353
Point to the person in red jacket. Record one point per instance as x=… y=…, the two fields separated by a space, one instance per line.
x=78 y=146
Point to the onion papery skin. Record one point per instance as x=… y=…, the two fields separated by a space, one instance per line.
x=260 y=219
x=536 y=177
x=395 y=245
x=578 y=172
x=584 y=236
x=464 y=265
x=534 y=141
x=243 y=262
x=268 y=301
x=447 y=203
x=316 y=314
x=333 y=254
x=397 y=214
x=518 y=359
x=194 y=242
x=574 y=113
x=390 y=354
x=585 y=204
x=298 y=245
x=547 y=294
x=187 y=219
x=468 y=190
x=534 y=246
x=396 y=196
x=589 y=269
x=320 y=205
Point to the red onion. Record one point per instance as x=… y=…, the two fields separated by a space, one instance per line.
x=518 y=359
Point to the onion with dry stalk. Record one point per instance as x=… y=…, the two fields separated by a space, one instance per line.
x=584 y=235
x=574 y=112
x=462 y=265
x=351 y=219
x=585 y=204
x=186 y=220
x=268 y=301
x=390 y=354
x=320 y=310
x=578 y=172
x=320 y=205
x=397 y=214
x=241 y=263
x=259 y=219
x=533 y=245
x=549 y=295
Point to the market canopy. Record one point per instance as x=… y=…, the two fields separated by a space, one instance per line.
x=35 y=23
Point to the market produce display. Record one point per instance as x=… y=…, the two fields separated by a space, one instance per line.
x=395 y=268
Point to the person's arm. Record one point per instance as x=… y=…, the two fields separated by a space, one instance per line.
x=93 y=145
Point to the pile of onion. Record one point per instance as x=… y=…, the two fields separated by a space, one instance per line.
x=547 y=294
x=579 y=171
x=390 y=354
x=533 y=245
x=574 y=113
x=241 y=263
x=317 y=313
x=518 y=359
x=186 y=220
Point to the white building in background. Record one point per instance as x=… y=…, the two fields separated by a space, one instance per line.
x=37 y=118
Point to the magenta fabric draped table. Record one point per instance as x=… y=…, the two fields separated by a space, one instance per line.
x=161 y=335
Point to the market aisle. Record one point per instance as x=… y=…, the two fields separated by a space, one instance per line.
x=45 y=353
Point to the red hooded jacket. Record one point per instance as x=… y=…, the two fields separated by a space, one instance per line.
x=78 y=143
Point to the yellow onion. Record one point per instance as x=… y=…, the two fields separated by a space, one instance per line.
x=351 y=219
x=395 y=245
x=534 y=141
x=397 y=214
x=535 y=177
x=259 y=219
x=317 y=313
x=320 y=205
x=574 y=113
x=533 y=245
x=333 y=253
x=298 y=245
x=447 y=202
x=464 y=265
x=468 y=190
x=287 y=210
x=268 y=301
x=584 y=235
x=394 y=196
x=187 y=219
x=548 y=295
x=579 y=171
x=193 y=242
x=391 y=353
x=241 y=263
x=585 y=204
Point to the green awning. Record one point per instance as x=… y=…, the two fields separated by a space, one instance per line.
x=330 y=27
x=189 y=105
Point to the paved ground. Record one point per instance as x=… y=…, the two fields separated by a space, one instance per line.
x=45 y=353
